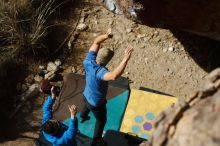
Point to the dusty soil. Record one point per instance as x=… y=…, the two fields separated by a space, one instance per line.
x=159 y=60
x=167 y=61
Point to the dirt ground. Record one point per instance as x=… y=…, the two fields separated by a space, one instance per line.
x=168 y=61
x=159 y=60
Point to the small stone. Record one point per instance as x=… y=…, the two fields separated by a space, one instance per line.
x=129 y=30
x=189 y=75
x=38 y=78
x=127 y=73
x=111 y=22
x=69 y=44
x=73 y=69
x=52 y=67
x=164 y=50
x=57 y=62
x=49 y=75
x=182 y=48
x=186 y=57
x=110 y=6
x=95 y=34
x=41 y=67
x=82 y=20
x=141 y=36
x=82 y=27
x=158 y=40
x=170 y=35
x=171 y=49
x=156 y=33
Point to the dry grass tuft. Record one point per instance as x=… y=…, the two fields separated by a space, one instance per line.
x=23 y=26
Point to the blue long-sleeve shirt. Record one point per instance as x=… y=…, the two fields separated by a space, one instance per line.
x=96 y=88
x=67 y=136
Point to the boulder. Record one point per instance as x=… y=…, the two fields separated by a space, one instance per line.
x=201 y=17
x=194 y=121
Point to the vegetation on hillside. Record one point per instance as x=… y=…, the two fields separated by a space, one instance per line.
x=23 y=25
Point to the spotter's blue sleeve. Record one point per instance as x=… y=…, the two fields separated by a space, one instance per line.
x=69 y=134
x=47 y=109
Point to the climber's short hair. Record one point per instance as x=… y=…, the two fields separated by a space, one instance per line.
x=104 y=56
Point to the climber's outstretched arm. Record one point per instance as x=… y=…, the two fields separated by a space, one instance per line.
x=100 y=39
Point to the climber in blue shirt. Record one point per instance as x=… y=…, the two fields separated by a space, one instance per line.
x=97 y=77
x=54 y=131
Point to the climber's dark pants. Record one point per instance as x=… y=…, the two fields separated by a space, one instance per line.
x=100 y=115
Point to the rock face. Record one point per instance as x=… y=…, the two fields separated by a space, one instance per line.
x=197 y=16
x=191 y=122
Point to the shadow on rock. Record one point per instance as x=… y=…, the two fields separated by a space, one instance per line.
x=205 y=52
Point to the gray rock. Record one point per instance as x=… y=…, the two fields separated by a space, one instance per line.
x=73 y=69
x=57 y=62
x=164 y=50
x=158 y=39
x=156 y=33
x=111 y=23
x=141 y=36
x=95 y=34
x=82 y=20
x=182 y=48
x=186 y=57
x=82 y=27
x=191 y=122
x=51 y=67
x=129 y=30
x=38 y=78
x=50 y=75
x=41 y=67
x=171 y=49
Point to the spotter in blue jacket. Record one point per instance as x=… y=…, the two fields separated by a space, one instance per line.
x=67 y=135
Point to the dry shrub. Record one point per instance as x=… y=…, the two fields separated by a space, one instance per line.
x=23 y=25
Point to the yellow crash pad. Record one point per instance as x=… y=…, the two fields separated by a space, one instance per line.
x=142 y=108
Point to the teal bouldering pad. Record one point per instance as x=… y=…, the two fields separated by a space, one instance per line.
x=71 y=93
x=115 y=110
